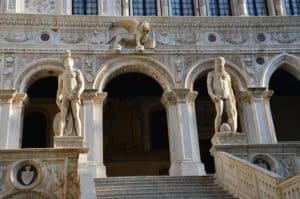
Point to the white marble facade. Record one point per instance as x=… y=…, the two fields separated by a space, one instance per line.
x=32 y=47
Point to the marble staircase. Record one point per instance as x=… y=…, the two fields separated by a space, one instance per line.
x=158 y=187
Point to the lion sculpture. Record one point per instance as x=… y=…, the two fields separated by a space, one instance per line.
x=130 y=33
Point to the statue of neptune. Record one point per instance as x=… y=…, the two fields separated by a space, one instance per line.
x=220 y=91
x=70 y=87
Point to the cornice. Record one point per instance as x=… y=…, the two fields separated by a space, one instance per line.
x=156 y=22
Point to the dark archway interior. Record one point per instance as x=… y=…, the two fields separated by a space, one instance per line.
x=285 y=105
x=205 y=113
x=39 y=114
x=135 y=127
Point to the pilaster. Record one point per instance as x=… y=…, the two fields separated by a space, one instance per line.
x=202 y=8
x=164 y=8
x=279 y=7
x=242 y=7
x=183 y=135
x=259 y=125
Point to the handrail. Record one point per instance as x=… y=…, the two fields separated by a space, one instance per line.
x=290 y=188
x=246 y=180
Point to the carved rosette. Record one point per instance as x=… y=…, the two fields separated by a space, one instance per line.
x=179 y=96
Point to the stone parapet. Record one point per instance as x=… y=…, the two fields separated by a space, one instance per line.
x=40 y=173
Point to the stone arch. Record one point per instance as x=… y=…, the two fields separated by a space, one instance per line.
x=139 y=64
x=203 y=66
x=37 y=70
x=287 y=62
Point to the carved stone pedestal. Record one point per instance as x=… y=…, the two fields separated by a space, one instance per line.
x=228 y=137
x=68 y=142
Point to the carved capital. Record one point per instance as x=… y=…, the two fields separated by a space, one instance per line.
x=100 y=97
x=179 y=96
x=6 y=96
x=19 y=99
x=89 y=95
x=255 y=94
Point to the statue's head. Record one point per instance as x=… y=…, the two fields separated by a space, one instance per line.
x=220 y=65
x=68 y=61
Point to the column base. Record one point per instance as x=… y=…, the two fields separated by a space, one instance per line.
x=68 y=142
x=187 y=169
x=97 y=170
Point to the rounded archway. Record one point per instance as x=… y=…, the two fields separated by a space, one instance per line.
x=135 y=128
x=39 y=112
x=285 y=104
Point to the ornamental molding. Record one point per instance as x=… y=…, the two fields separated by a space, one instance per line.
x=157 y=22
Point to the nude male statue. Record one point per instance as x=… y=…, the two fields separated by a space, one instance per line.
x=70 y=87
x=220 y=90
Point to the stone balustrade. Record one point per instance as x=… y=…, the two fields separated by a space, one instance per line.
x=290 y=188
x=246 y=180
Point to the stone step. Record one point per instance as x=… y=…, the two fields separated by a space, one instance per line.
x=155 y=186
x=188 y=187
x=168 y=195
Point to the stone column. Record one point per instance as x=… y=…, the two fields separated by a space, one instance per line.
x=259 y=125
x=93 y=130
x=164 y=8
x=125 y=7
x=242 y=8
x=16 y=122
x=202 y=8
x=183 y=135
x=279 y=7
x=6 y=99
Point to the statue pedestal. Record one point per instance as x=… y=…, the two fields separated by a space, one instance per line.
x=68 y=142
x=228 y=137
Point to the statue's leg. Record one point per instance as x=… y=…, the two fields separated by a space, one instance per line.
x=65 y=105
x=76 y=117
x=139 y=46
x=218 y=119
x=231 y=112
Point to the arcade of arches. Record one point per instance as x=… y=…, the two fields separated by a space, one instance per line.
x=135 y=123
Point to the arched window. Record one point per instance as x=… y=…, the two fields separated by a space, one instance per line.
x=219 y=8
x=181 y=7
x=84 y=7
x=292 y=7
x=144 y=7
x=257 y=7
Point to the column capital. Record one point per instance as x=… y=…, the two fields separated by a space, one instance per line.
x=19 y=98
x=101 y=97
x=255 y=94
x=179 y=96
x=6 y=96
x=89 y=95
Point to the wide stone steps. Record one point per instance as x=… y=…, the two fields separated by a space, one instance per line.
x=156 y=187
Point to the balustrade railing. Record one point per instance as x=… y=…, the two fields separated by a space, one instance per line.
x=248 y=181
